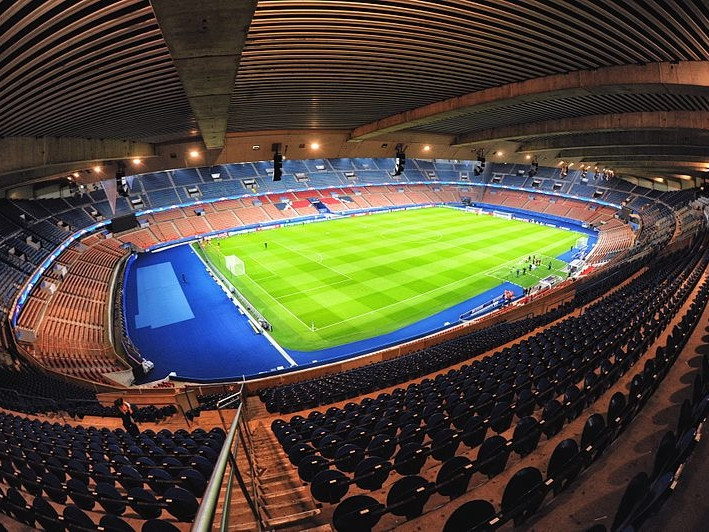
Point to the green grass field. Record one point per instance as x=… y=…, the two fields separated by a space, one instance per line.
x=329 y=283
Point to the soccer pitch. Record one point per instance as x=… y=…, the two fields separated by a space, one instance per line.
x=329 y=283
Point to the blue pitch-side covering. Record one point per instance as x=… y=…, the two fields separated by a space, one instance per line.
x=217 y=342
x=161 y=300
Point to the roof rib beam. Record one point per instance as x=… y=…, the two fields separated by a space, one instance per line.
x=615 y=139
x=205 y=40
x=29 y=158
x=659 y=78
x=662 y=120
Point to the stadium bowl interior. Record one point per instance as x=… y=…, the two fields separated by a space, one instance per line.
x=515 y=335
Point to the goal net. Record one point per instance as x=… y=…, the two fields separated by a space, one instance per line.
x=234 y=264
x=499 y=214
x=581 y=243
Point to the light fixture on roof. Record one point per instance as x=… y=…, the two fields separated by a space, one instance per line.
x=533 y=168
x=136 y=161
x=528 y=156
x=75 y=174
x=97 y=169
x=194 y=154
x=427 y=148
x=277 y=161
x=314 y=145
x=478 y=168
x=400 y=160
x=121 y=182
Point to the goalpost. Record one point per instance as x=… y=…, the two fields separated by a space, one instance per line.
x=234 y=264
x=226 y=268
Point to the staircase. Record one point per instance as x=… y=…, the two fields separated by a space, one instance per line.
x=283 y=500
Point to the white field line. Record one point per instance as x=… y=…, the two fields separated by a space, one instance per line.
x=312 y=260
x=262 y=289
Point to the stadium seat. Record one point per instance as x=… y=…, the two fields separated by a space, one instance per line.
x=594 y=438
x=329 y=486
x=501 y=417
x=636 y=491
x=453 y=476
x=357 y=513
x=110 y=499
x=79 y=493
x=382 y=445
x=53 y=488
x=76 y=519
x=410 y=459
x=311 y=465
x=193 y=481
x=111 y=523
x=474 y=431
x=565 y=463
x=144 y=503
x=372 y=472
x=473 y=516
x=444 y=444
x=526 y=436
x=408 y=495
x=47 y=516
x=553 y=418
x=493 y=455
x=158 y=525
x=523 y=495
x=181 y=504
x=348 y=457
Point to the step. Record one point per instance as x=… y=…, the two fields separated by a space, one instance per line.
x=285 y=484
x=276 y=475
x=286 y=498
x=287 y=520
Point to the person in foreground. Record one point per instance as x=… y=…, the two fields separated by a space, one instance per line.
x=126 y=412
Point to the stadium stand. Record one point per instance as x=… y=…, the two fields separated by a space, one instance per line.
x=95 y=477
x=385 y=440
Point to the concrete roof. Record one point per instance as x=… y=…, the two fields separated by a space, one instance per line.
x=628 y=81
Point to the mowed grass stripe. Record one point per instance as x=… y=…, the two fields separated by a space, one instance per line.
x=359 y=277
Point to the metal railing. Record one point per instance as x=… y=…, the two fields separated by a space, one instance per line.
x=227 y=469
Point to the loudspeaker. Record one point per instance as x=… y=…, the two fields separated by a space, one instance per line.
x=277 y=166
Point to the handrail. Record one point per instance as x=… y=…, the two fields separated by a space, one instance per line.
x=229 y=400
x=207 y=509
x=204 y=520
